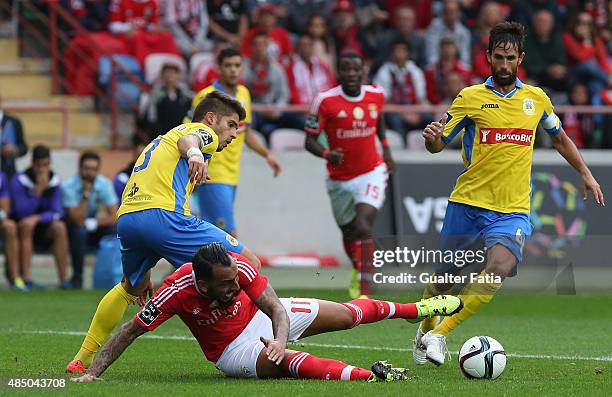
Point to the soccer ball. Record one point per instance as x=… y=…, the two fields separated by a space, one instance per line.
x=482 y=357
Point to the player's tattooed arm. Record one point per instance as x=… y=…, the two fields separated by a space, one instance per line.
x=115 y=347
x=269 y=303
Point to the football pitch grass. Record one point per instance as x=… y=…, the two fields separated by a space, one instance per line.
x=556 y=345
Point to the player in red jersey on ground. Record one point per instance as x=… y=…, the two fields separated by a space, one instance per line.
x=243 y=327
x=350 y=116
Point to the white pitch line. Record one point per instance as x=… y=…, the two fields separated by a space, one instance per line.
x=336 y=346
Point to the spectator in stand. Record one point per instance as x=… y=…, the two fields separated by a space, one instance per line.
x=490 y=14
x=301 y=12
x=188 y=22
x=323 y=45
x=12 y=144
x=546 y=59
x=588 y=56
x=92 y=14
x=448 y=25
x=167 y=104
x=279 y=43
x=266 y=80
x=437 y=74
x=306 y=74
x=8 y=228
x=136 y=22
x=579 y=126
x=138 y=145
x=404 y=84
x=453 y=84
x=36 y=198
x=91 y=203
x=228 y=20
x=404 y=28
x=422 y=8
x=523 y=11
x=346 y=33
x=372 y=20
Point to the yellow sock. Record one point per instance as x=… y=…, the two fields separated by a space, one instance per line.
x=474 y=295
x=428 y=324
x=109 y=313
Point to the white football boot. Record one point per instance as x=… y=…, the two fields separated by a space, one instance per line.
x=435 y=345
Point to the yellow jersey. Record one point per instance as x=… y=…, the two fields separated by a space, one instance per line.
x=225 y=167
x=160 y=176
x=498 y=133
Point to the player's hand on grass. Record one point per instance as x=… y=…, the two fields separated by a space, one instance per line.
x=275 y=349
x=272 y=162
x=589 y=183
x=198 y=171
x=389 y=161
x=85 y=378
x=335 y=156
x=434 y=130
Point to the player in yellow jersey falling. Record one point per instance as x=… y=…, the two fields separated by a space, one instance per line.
x=154 y=221
x=491 y=199
x=216 y=198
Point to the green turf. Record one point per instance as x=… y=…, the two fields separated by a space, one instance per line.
x=534 y=324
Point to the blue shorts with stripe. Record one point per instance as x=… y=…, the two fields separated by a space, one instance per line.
x=149 y=235
x=217 y=204
x=465 y=226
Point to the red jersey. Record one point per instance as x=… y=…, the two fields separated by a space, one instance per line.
x=139 y=12
x=350 y=124
x=214 y=329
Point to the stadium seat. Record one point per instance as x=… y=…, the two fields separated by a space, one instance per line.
x=414 y=140
x=197 y=59
x=153 y=64
x=287 y=139
x=128 y=92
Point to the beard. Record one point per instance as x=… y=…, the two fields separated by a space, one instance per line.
x=504 y=80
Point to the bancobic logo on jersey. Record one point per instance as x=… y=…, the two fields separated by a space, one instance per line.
x=490 y=136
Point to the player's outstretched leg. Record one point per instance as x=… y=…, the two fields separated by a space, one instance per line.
x=334 y=316
x=109 y=313
x=302 y=365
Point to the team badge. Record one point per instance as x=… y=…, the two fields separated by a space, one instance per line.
x=149 y=313
x=373 y=111
x=231 y=240
x=358 y=113
x=207 y=138
x=528 y=107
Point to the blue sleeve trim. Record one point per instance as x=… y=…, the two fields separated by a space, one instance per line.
x=461 y=125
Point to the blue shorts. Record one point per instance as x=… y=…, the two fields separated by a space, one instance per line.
x=217 y=205
x=149 y=235
x=464 y=225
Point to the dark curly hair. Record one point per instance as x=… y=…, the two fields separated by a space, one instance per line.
x=507 y=34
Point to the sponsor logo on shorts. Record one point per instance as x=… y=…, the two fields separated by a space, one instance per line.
x=518 y=136
x=231 y=240
x=149 y=313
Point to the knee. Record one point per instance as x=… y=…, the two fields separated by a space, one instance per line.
x=10 y=228
x=26 y=227
x=59 y=229
x=346 y=319
x=361 y=227
x=501 y=267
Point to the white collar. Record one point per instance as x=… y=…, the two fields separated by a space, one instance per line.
x=357 y=98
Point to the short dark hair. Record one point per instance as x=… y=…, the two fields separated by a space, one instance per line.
x=348 y=55
x=209 y=255
x=40 y=152
x=507 y=33
x=89 y=155
x=400 y=41
x=170 y=66
x=219 y=103
x=227 y=53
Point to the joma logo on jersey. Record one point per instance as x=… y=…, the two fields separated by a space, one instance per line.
x=489 y=106
x=518 y=136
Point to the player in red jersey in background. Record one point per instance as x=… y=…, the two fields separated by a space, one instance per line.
x=243 y=327
x=350 y=116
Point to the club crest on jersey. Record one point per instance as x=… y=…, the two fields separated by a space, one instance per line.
x=358 y=113
x=528 y=107
x=373 y=111
x=231 y=240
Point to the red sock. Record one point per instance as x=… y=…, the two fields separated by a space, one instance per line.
x=306 y=366
x=370 y=310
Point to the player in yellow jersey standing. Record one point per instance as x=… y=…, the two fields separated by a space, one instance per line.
x=216 y=197
x=154 y=221
x=491 y=199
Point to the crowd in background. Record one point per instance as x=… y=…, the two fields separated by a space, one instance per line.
x=419 y=51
